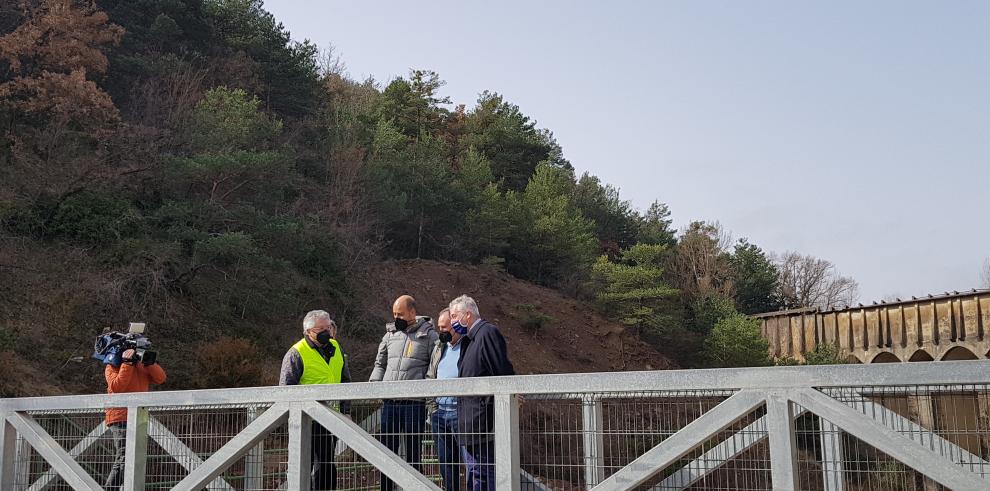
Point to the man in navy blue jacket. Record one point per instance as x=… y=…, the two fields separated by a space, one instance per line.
x=483 y=354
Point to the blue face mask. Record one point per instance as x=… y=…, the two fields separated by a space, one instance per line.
x=458 y=327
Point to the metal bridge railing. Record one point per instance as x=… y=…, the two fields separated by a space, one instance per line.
x=918 y=426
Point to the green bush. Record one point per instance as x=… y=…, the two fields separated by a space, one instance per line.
x=7 y=339
x=92 y=217
x=226 y=248
x=824 y=354
x=531 y=319
x=736 y=342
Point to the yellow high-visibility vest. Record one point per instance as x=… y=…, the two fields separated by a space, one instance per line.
x=316 y=370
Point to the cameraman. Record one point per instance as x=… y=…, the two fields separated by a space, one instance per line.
x=130 y=375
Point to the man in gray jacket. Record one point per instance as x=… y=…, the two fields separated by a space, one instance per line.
x=404 y=354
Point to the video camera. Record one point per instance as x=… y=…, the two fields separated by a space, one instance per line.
x=110 y=347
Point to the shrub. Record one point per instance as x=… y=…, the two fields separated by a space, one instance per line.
x=93 y=217
x=231 y=362
x=531 y=319
x=736 y=342
x=824 y=354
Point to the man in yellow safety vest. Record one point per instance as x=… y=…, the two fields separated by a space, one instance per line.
x=318 y=359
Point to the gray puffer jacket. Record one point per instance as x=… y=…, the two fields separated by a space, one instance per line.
x=405 y=355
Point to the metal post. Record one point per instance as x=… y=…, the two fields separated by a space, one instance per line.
x=136 y=449
x=300 y=451
x=22 y=463
x=254 y=462
x=507 y=442
x=780 y=425
x=832 y=464
x=594 y=440
x=8 y=453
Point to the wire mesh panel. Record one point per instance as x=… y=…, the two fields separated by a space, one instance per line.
x=181 y=440
x=832 y=460
x=79 y=433
x=950 y=421
x=574 y=441
x=735 y=458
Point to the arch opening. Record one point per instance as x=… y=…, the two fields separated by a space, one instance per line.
x=886 y=357
x=959 y=353
x=921 y=355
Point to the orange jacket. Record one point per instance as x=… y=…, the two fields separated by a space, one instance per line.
x=130 y=378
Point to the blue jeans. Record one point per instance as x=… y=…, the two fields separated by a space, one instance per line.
x=480 y=460
x=403 y=421
x=444 y=425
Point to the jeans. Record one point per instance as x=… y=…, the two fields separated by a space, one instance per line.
x=118 y=431
x=480 y=460
x=323 y=475
x=444 y=425
x=403 y=421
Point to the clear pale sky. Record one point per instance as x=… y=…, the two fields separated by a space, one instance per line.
x=858 y=132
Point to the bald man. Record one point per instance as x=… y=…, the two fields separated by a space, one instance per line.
x=404 y=354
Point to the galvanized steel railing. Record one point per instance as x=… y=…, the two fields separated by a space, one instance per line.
x=837 y=428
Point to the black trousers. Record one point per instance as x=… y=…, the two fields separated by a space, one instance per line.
x=324 y=471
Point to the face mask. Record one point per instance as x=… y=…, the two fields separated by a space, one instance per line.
x=458 y=327
x=446 y=337
x=323 y=338
x=401 y=324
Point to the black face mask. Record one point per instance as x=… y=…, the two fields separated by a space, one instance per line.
x=401 y=324
x=446 y=337
x=323 y=338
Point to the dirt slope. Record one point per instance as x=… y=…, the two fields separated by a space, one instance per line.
x=577 y=340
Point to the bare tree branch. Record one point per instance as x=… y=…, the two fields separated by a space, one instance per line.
x=807 y=281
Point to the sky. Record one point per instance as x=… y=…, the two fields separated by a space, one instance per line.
x=858 y=132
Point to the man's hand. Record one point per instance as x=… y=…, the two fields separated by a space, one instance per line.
x=128 y=355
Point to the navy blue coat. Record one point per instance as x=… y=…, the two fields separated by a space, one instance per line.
x=483 y=355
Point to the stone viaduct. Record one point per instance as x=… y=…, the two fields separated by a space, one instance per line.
x=951 y=326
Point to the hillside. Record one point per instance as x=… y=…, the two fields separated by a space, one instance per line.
x=188 y=165
x=576 y=340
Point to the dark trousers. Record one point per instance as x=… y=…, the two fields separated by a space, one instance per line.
x=324 y=471
x=403 y=422
x=118 y=432
x=444 y=425
x=480 y=460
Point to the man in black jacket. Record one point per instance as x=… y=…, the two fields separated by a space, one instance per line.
x=483 y=354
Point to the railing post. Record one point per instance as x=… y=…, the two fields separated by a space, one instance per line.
x=135 y=448
x=254 y=462
x=22 y=463
x=507 y=442
x=300 y=450
x=780 y=428
x=8 y=453
x=594 y=440
x=832 y=464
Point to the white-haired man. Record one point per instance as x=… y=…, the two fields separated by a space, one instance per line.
x=483 y=354
x=318 y=359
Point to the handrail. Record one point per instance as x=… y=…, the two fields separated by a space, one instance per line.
x=894 y=374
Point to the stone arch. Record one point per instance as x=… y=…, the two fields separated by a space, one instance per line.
x=959 y=353
x=853 y=359
x=921 y=355
x=886 y=357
